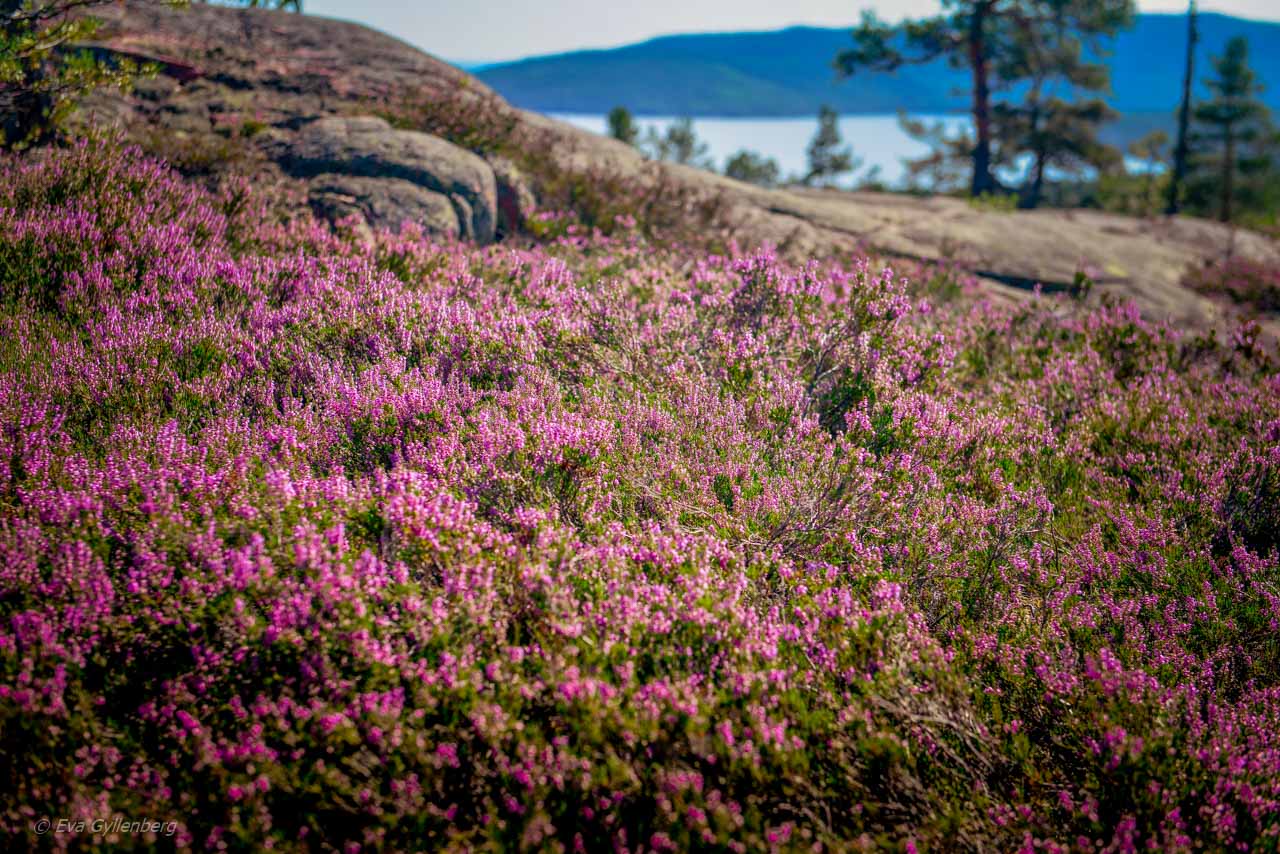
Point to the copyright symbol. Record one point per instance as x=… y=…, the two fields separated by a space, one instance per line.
x=42 y=826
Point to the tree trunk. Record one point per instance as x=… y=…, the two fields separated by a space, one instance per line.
x=1037 y=182
x=1228 y=172
x=1184 y=116
x=1031 y=195
x=983 y=182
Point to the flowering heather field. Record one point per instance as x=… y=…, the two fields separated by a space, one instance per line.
x=317 y=545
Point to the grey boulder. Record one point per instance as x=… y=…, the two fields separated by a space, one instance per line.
x=407 y=172
x=383 y=202
x=516 y=201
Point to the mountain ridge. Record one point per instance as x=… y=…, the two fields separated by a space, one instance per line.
x=788 y=72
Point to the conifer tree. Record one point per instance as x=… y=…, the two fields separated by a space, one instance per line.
x=1058 y=118
x=1231 y=136
x=828 y=156
x=1003 y=44
x=622 y=126
x=680 y=144
x=968 y=34
x=1152 y=150
x=1180 y=149
x=945 y=168
x=753 y=168
x=42 y=73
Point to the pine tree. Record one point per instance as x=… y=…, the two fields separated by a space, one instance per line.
x=1231 y=132
x=680 y=144
x=984 y=37
x=828 y=157
x=1151 y=149
x=1180 y=150
x=753 y=168
x=943 y=169
x=41 y=74
x=1059 y=135
x=622 y=126
x=1058 y=119
x=968 y=34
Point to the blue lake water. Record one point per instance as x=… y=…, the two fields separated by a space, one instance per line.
x=879 y=141
x=876 y=140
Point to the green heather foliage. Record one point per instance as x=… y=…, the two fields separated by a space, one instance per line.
x=1248 y=283
x=315 y=544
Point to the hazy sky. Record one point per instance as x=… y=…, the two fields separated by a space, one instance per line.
x=469 y=30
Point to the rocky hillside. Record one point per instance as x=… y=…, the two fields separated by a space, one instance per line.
x=337 y=111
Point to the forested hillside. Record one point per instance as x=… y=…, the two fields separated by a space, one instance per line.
x=789 y=73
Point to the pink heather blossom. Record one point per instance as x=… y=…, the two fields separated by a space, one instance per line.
x=602 y=542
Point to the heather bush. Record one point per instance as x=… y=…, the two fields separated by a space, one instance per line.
x=1251 y=284
x=318 y=544
x=471 y=117
x=574 y=197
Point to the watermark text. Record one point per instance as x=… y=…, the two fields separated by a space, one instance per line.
x=114 y=826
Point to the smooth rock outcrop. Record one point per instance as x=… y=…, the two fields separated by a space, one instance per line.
x=516 y=201
x=383 y=203
x=368 y=147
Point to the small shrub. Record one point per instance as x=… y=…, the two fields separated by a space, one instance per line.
x=1252 y=284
